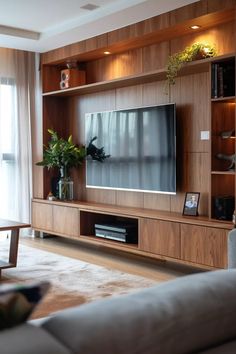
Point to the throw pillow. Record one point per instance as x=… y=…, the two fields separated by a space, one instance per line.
x=18 y=301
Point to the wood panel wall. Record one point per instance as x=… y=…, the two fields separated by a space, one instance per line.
x=191 y=94
x=129 y=36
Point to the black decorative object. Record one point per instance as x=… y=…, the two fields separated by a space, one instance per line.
x=231 y=158
x=224 y=207
x=97 y=154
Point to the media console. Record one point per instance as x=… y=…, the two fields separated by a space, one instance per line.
x=196 y=241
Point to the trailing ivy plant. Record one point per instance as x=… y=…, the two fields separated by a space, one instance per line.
x=193 y=52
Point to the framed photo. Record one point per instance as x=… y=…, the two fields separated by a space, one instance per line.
x=191 y=203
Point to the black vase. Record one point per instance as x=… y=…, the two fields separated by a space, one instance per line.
x=55 y=186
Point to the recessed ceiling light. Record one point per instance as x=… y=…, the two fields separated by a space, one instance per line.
x=90 y=7
x=106 y=52
x=195 y=27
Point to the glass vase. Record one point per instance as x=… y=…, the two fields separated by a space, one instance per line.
x=65 y=186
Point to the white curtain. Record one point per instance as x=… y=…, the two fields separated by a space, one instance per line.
x=17 y=78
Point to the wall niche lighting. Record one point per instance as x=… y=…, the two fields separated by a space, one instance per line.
x=194 y=27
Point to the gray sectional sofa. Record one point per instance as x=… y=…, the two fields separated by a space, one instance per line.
x=192 y=314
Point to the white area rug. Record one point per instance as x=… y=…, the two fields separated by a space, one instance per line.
x=73 y=281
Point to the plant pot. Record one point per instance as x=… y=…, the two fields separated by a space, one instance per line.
x=201 y=54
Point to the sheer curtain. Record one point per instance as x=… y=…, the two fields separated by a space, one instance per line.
x=17 y=77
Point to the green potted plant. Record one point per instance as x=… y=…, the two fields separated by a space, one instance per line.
x=194 y=52
x=64 y=154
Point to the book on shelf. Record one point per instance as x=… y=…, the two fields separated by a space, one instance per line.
x=223 y=79
x=214 y=80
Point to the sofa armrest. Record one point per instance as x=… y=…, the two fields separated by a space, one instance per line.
x=232 y=249
x=28 y=339
x=185 y=315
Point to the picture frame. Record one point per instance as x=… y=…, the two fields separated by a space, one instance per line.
x=191 y=203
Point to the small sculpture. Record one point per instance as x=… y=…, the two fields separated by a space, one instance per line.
x=231 y=158
x=227 y=134
x=51 y=196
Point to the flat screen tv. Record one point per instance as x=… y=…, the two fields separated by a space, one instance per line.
x=141 y=143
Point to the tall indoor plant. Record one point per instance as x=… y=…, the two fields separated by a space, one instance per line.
x=64 y=154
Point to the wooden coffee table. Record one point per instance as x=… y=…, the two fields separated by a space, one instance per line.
x=14 y=228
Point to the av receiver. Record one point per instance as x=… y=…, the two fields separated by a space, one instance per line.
x=126 y=233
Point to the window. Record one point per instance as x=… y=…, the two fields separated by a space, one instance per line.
x=8 y=145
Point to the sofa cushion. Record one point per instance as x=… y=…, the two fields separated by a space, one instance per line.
x=28 y=339
x=185 y=315
x=18 y=301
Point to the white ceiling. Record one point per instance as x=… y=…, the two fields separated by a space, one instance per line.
x=55 y=23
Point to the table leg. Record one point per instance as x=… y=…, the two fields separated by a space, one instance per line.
x=14 y=246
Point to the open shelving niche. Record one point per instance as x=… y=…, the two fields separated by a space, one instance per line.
x=155 y=75
x=223 y=125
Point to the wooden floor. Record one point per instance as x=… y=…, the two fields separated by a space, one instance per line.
x=137 y=265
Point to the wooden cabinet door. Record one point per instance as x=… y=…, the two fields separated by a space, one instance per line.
x=42 y=216
x=204 y=245
x=160 y=237
x=66 y=221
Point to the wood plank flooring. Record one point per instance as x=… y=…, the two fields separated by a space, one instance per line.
x=124 y=262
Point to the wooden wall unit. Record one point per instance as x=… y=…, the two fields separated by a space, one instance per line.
x=134 y=75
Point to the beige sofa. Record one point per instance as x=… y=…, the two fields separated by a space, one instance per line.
x=192 y=314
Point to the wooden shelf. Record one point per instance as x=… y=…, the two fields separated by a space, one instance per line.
x=229 y=99
x=230 y=223
x=105 y=242
x=157 y=75
x=196 y=66
x=223 y=172
x=109 y=84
